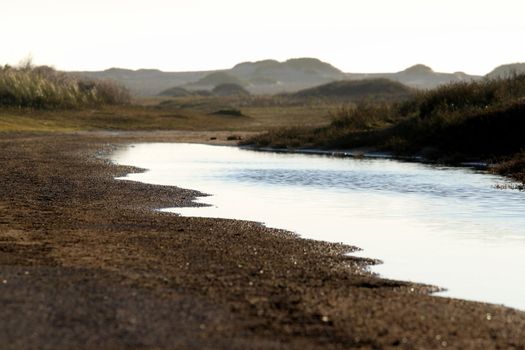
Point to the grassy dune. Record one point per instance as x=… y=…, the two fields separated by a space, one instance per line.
x=45 y=88
x=457 y=122
x=355 y=90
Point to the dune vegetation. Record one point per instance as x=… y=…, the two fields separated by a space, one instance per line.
x=379 y=89
x=43 y=87
x=479 y=120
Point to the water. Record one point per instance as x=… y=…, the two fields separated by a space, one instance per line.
x=443 y=226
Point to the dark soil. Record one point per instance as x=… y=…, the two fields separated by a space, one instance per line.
x=85 y=263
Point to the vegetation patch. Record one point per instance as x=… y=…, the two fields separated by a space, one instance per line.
x=457 y=122
x=370 y=89
x=45 y=88
x=229 y=112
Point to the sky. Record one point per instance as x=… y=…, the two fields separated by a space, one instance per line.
x=183 y=35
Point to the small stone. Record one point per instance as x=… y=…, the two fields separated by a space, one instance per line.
x=489 y=317
x=325 y=319
x=4 y=281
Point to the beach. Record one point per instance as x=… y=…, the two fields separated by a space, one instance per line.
x=86 y=262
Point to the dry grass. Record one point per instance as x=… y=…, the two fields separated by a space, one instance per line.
x=263 y=112
x=110 y=118
x=513 y=166
x=45 y=88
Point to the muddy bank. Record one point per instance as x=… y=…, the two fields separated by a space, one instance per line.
x=86 y=264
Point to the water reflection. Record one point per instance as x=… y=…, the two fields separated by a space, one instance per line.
x=443 y=226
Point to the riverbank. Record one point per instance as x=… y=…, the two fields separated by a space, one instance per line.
x=369 y=153
x=511 y=166
x=86 y=263
x=456 y=123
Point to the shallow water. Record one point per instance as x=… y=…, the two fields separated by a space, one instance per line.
x=444 y=226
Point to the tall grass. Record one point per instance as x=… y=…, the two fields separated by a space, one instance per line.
x=45 y=88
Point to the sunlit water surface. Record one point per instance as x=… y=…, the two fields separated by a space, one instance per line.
x=444 y=226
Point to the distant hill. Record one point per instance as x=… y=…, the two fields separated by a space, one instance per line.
x=210 y=81
x=230 y=89
x=272 y=77
x=145 y=82
x=419 y=76
x=296 y=67
x=227 y=89
x=176 y=92
x=181 y=92
x=261 y=77
x=507 y=70
x=380 y=88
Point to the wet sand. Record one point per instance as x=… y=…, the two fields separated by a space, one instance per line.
x=85 y=263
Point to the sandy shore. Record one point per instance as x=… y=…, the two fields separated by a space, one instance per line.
x=86 y=264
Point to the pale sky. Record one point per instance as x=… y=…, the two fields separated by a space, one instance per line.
x=180 y=35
